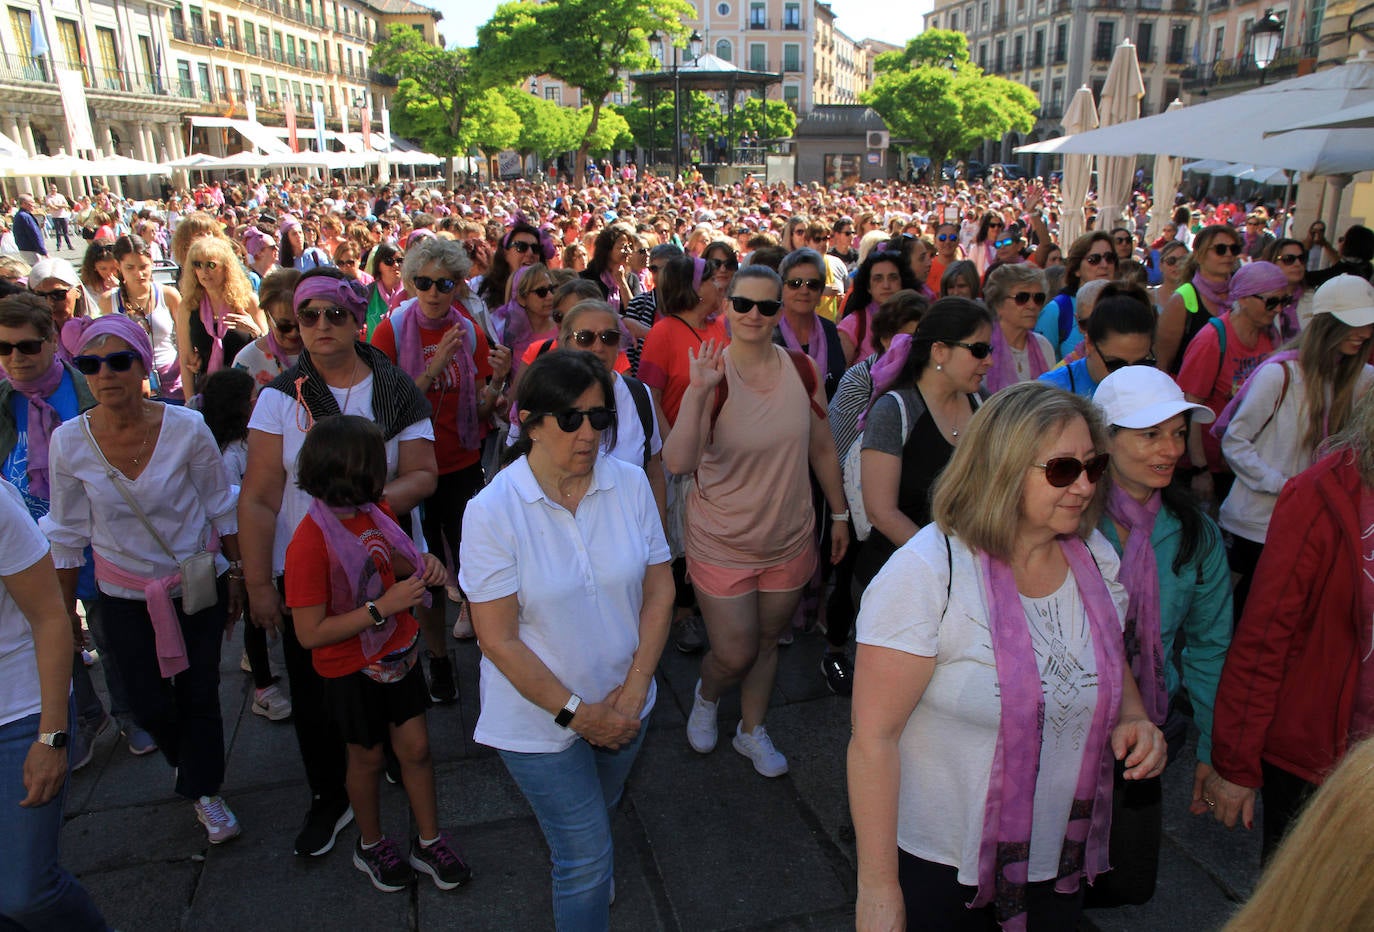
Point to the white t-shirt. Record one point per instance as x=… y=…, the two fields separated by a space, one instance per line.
x=281 y=415
x=1021 y=357
x=950 y=739
x=24 y=546
x=580 y=583
x=629 y=430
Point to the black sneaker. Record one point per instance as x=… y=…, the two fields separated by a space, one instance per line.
x=839 y=673
x=441 y=861
x=442 y=688
x=688 y=635
x=322 y=826
x=383 y=865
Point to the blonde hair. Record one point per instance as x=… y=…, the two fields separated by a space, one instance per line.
x=589 y=306
x=1325 y=370
x=1357 y=439
x=238 y=291
x=869 y=242
x=980 y=489
x=1318 y=879
x=192 y=227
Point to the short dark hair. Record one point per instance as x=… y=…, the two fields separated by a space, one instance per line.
x=770 y=256
x=226 y=403
x=27 y=310
x=1358 y=243
x=343 y=461
x=948 y=320
x=896 y=312
x=553 y=383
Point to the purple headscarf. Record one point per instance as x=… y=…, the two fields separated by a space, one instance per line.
x=80 y=332
x=348 y=293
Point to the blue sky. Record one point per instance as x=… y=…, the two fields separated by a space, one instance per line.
x=860 y=19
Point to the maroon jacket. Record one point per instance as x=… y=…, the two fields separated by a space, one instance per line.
x=1288 y=688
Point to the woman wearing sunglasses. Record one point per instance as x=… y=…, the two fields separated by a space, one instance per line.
x=448 y=356
x=1173 y=261
x=992 y=694
x=880 y=276
x=527 y=318
x=565 y=563
x=521 y=246
x=1216 y=253
x=335 y=374
x=1015 y=294
x=1091 y=257
x=152 y=305
x=143 y=485
x=1289 y=255
x=1173 y=566
x=982 y=252
x=1119 y=331
x=219 y=314
x=276 y=351
x=388 y=291
x=748 y=422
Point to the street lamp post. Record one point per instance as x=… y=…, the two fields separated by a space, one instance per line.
x=1265 y=37
x=694 y=43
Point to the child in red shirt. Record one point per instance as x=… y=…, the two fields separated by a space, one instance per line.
x=355 y=618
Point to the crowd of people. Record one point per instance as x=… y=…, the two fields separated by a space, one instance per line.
x=1073 y=502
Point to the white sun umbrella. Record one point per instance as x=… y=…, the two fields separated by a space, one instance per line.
x=1167 y=176
x=124 y=166
x=1120 y=103
x=1078 y=169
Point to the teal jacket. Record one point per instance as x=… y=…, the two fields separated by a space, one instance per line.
x=1197 y=602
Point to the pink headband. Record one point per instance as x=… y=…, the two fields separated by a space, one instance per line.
x=349 y=294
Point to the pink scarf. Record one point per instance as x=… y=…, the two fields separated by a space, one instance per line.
x=1004 y=854
x=43 y=420
x=217 y=330
x=817 y=347
x=612 y=289
x=276 y=352
x=885 y=371
x=349 y=585
x=1214 y=296
x=1140 y=576
x=1003 y=371
x=408 y=321
x=167 y=637
x=390 y=297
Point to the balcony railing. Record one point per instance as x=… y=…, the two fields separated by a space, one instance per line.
x=759 y=64
x=791 y=25
x=1063 y=6
x=1037 y=58
x=1177 y=55
x=1242 y=71
x=178 y=29
x=1183 y=6
x=1060 y=56
x=1052 y=112
x=1103 y=52
x=756 y=22
x=376 y=77
x=1017 y=62
x=1145 y=53
x=792 y=66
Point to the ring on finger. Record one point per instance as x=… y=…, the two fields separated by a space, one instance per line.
x=1211 y=803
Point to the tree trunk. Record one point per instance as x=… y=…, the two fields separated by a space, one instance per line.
x=580 y=169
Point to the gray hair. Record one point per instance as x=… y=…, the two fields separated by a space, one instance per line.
x=750 y=272
x=803 y=256
x=452 y=258
x=1003 y=279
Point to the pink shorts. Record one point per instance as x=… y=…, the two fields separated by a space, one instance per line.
x=724 y=582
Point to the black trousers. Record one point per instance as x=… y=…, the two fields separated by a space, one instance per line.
x=322 y=747
x=441 y=515
x=936 y=901
x=1243 y=556
x=1284 y=794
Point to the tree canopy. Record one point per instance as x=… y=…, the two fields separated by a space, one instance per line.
x=939 y=110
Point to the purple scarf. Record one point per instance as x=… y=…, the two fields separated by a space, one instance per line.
x=43 y=420
x=612 y=289
x=276 y=352
x=1004 y=855
x=816 y=348
x=409 y=320
x=216 y=329
x=885 y=370
x=1003 y=371
x=1140 y=576
x=348 y=558
x=1224 y=418
x=1216 y=297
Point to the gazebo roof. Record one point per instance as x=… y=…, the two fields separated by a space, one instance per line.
x=839 y=120
x=708 y=73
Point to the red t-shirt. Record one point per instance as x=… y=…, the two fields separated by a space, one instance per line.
x=663 y=362
x=1215 y=380
x=622 y=362
x=308 y=583
x=444 y=392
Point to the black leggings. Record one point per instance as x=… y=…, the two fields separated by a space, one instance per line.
x=441 y=516
x=1283 y=795
x=936 y=901
x=1243 y=555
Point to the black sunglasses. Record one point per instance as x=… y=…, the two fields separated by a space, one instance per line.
x=814 y=284
x=585 y=338
x=543 y=290
x=121 y=361
x=570 y=421
x=286 y=326
x=424 y=283
x=1112 y=363
x=57 y=294
x=1173 y=260
x=745 y=305
x=1097 y=258
x=26 y=347
x=1288 y=258
x=979 y=350
x=523 y=246
x=336 y=315
x=393 y=261
x=1021 y=297
x=1223 y=249
x=1063 y=471
x=1272 y=303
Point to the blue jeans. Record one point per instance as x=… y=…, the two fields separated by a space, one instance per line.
x=573 y=793
x=36 y=892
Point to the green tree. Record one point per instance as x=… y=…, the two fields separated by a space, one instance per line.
x=611 y=130
x=701 y=117
x=546 y=129
x=771 y=119
x=942 y=109
x=586 y=44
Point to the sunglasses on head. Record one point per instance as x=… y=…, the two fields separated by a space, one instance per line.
x=1063 y=471
x=1021 y=297
x=424 y=283
x=543 y=290
x=286 y=326
x=26 y=347
x=1223 y=249
x=121 y=361
x=814 y=284
x=1097 y=258
x=1288 y=258
x=523 y=246
x=57 y=294
x=335 y=315
x=978 y=350
x=570 y=421
x=208 y=265
x=745 y=305
x=1005 y=241
x=585 y=338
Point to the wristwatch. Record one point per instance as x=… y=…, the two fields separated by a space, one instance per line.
x=378 y=619
x=565 y=715
x=53 y=739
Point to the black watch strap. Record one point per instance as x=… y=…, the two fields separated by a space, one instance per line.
x=378 y=619
x=565 y=715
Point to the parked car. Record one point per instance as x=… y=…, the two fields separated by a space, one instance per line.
x=1011 y=171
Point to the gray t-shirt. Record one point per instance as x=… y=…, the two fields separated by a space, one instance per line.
x=883 y=428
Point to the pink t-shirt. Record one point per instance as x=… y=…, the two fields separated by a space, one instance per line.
x=849 y=326
x=1215 y=380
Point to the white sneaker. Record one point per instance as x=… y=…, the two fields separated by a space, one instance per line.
x=244 y=664
x=758 y=747
x=462 y=625
x=701 y=724
x=220 y=824
x=271 y=703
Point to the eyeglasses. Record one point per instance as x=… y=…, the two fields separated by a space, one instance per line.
x=585 y=338
x=424 y=283
x=1063 y=471
x=643 y=251
x=745 y=305
x=570 y=421
x=1223 y=249
x=25 y=347
x=996 y=225
x=947 y=237
x=121 y=361
x=715 y=265
x=1121 y=239
x=1288 y=258
x=57 y=294
x=543 y=291
x=1273 y=302
x=523 y=246
x=814 y=284
x=1097 y=258
x=286 y=326
x=1005 y=241
x=1021 y=297
x=336 y=315
x=393 y=261
x=978 y=350
x=347 y=263
x=1112 y=363
x=208 y=265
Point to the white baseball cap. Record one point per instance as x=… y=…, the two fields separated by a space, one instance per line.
x=1143 y=396
x=1349 y=298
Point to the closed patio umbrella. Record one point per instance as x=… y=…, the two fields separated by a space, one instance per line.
x=1168 y=175
x=1121 y=94
x=1078 y=169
